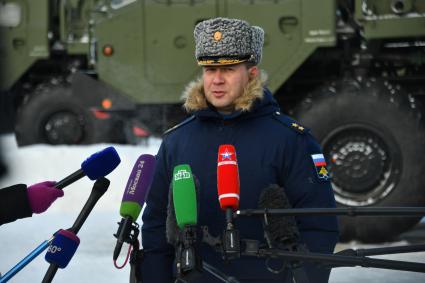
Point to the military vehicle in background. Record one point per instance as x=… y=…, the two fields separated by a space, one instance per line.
x=83 y=71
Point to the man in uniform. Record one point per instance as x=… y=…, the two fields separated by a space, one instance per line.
x=231 y=105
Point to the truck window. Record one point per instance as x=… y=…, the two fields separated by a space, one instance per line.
x=10 y=15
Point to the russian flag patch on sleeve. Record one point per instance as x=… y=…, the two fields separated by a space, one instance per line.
x=320 y=165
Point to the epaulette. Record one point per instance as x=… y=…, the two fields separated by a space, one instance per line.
x=187 y=120
x=290 y=123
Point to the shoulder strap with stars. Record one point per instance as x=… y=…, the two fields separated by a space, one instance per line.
x=187 y=120
x=290 y=123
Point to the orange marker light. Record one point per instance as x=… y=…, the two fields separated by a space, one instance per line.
x=108 y=50
x=106 y=103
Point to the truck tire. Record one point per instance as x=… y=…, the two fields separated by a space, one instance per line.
x=52 y=115
x=374 y=142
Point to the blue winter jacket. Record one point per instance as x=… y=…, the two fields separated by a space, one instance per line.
x=271 y=149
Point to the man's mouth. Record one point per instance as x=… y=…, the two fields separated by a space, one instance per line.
x=218 y=93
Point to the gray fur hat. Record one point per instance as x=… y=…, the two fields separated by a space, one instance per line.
x=223 y=41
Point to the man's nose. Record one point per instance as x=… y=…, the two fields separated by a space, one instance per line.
x=218 y=77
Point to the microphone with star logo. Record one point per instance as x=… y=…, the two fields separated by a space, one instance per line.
x=228 y=195
x=228 y=177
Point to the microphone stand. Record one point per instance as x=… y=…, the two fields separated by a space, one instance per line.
x=336 y=260
x=342 y=211
x=383 y=251
x=218 y=274
x=189 y=265
x=231 y=238
x=99 y=188
x=347 y=257
x=26 y=260
x=128 y=231
x=290 y=243
x=188 y=262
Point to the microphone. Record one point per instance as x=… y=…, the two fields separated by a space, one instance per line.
x=278 y=230
x=281 y=231
x=99 y=188
x=98 y=165
x=228 y=178
x=62 y=248
x=184 y=196
x=172 y=228
x=133 y=199
x=184 y=200
x=228 y=195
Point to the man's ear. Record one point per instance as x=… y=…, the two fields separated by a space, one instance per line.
x=253 y=72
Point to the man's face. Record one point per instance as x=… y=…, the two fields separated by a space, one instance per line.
x=224 y=84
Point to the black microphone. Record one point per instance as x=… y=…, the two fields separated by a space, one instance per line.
x=99 y=188
x=97 y=165
x=278 y=230
x=281 y=232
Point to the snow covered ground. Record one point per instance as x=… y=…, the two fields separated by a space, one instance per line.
x=93 y=260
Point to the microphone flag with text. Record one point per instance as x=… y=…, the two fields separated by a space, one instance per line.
x=97 y=165
x=228 y=188
x=134 y=197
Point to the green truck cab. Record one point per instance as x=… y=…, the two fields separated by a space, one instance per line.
x=353 y=71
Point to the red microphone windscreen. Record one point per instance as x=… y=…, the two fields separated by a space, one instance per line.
x=228 y=177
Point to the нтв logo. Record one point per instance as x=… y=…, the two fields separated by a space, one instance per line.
x=182 y=174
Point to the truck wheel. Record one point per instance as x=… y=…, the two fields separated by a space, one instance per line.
x=374 y=143
x=53 y=116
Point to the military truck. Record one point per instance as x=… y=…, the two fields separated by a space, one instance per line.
x=353 y=71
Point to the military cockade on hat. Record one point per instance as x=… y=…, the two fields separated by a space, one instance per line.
x=222 y=41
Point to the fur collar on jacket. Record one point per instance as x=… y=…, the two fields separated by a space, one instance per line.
x=194 y=96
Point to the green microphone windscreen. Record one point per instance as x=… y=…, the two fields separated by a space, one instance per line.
x=184 y=196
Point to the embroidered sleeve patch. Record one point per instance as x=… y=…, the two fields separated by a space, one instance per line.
x=320 y=165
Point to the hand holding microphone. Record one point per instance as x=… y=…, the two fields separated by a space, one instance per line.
x=99 y=164
x=42 y=195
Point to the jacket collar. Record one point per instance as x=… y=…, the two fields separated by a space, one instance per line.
x=256 y=100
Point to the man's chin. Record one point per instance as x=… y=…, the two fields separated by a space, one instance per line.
x=225 y=109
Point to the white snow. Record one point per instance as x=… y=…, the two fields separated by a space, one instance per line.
x=93 y=259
